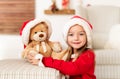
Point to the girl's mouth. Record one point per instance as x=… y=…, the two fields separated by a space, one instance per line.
x=76 y=42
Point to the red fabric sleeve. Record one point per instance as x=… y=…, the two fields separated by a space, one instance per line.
x=80 y=66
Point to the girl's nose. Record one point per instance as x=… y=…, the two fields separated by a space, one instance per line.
x=76 y=37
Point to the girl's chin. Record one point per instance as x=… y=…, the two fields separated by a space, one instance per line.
x=76 y=46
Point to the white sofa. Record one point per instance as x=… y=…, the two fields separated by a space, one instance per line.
x=103 y=18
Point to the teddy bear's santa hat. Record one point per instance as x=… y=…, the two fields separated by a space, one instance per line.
x=26 y=27
x=84 y=23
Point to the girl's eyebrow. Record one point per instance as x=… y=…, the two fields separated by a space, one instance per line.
x=79 y=31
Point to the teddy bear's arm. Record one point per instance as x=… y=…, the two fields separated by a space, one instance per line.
x=25 y=51
x=28 y=48
x=63 y=55
x=56 y=46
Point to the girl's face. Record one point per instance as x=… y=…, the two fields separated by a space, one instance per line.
x=76 y=37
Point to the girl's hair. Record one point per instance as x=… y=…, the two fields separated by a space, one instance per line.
x=80 y=50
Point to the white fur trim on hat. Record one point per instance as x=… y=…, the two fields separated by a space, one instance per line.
x=31 y=24
x=84 y=24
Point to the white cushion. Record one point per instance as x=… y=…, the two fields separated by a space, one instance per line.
x=102 y=18
x=114 y=38
x=107 y=56
x=99 y=39
x=107 y=64
x=107 y=71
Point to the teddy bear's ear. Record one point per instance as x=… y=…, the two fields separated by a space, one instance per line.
x=45 y=25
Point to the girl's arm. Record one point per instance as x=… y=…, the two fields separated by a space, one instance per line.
x=80 y=66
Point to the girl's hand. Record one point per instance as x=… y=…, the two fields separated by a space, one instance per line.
x=32 y=60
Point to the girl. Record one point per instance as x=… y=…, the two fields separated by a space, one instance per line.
x=77 y=34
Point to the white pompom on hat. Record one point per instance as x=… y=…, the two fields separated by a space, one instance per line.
x=26 y=27
x=80 y=21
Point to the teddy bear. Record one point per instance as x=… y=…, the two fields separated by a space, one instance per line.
x=35 y=36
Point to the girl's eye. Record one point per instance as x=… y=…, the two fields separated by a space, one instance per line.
x=70 y=34
x=81 y=33
x=35 y=32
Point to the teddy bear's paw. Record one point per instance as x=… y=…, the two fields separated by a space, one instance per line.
x=38 y=56
x=24 y=54
x=33 y=52
x=57 y=47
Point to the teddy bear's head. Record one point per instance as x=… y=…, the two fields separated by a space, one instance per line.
x=37 y=29
x=39 y=32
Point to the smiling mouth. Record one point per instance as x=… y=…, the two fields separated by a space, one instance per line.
x=76 y=42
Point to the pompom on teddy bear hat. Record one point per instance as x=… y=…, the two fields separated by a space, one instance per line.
x=80 y=21
x=26 y=27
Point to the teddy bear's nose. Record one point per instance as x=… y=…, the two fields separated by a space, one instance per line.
x=41 y=35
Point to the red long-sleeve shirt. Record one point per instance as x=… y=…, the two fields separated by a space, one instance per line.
x=82 y=68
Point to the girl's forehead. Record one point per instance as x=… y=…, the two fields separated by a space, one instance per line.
x=76 y=27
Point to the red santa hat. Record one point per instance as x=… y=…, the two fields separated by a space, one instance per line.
x=80 y=21
x=26 y=27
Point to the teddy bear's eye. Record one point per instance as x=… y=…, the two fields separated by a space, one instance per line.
x=41 y=31
x=35 y=32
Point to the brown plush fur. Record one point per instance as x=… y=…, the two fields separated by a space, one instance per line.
x=39 y=32
x=39 y=43
x=63 y=55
